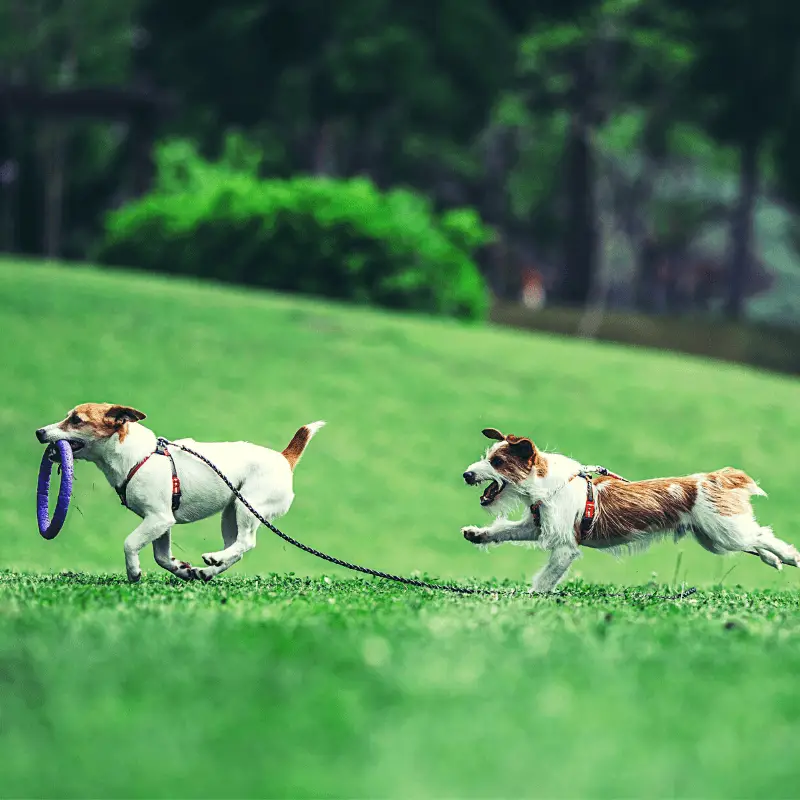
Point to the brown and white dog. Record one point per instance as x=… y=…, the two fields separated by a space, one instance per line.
x=165 y=488
x=566 y=510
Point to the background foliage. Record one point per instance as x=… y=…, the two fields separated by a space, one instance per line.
x=339 y=238
x=628 y=154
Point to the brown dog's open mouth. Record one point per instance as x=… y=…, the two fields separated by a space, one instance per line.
x=492 y=492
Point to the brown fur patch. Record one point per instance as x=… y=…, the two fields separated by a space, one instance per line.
x=516 y=458
x=728 y=490
x=522 y=456
x=513 y=465
x=624 y=509
x=104 y=419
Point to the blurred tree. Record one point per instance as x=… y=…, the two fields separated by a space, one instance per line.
x=393 y=90
x=745 y=74
x=54 y=44
x=597 y=61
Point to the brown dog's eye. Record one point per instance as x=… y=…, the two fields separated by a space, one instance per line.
x=75 y=420
x=495 y=461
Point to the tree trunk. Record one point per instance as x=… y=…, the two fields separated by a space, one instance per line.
x=641 y=233
x=142 y=135
x=580 y=246
x=742 y=228
x=9 y=185
x=324 y=155
x=52 y=161
x=496 y=208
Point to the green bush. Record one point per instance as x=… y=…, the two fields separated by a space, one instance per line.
x=338 y=238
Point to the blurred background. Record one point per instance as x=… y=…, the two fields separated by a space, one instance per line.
x=611 y=170
x=620 y=169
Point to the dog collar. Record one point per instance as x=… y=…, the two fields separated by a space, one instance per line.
x=589 y=510
x=161 y=450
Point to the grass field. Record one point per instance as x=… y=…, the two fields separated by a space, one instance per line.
x=281 y=685
x=284 y=687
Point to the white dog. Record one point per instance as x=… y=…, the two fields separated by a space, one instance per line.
x=567 y=509
x=165 y=487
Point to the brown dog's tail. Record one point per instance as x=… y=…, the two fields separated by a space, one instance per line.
x=294 y=450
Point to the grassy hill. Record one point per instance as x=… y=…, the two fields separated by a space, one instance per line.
x=266 y=684
x=405 y=399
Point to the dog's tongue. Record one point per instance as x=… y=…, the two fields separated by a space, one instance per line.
x=491 y=491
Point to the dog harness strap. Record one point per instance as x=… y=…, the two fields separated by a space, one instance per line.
x=123 y=487
x=590 y=509
x=161 y=450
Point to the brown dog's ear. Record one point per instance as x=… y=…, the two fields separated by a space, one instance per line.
x=493 y=433
x=521 y=447
x=123 y=414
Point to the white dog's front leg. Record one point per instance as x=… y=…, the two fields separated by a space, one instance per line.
x=501 y=530
x=150 y=528
x=162 y=552
x=561 y=559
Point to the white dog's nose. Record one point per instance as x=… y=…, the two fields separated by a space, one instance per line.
x=41 y=435
x=469 y=477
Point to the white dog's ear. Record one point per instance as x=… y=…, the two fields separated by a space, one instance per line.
x=122 y=414
x=493 y=433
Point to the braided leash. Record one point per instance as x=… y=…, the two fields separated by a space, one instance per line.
x=464 y=590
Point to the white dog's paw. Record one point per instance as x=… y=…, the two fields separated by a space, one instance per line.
x=213 y=559
x=205 y=574
x=474 y=535
x=135 y=577
x=770 y=559
x=183 y=570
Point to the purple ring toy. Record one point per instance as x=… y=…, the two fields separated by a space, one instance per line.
x=49 y=529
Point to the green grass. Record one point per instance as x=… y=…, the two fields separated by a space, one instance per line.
x=294 y=687
x=290 y=687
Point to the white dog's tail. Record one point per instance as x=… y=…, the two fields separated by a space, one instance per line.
x=294 y=450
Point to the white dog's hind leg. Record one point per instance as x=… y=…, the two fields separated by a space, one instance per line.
x=775 y=549
x=162 y=552
x=230 y=535
x=742 y=533
x=561 y=559
x=246 y=526
x=229 y=530
x=150 y=528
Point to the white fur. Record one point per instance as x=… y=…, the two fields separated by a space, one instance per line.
x=562 y=501
x=263 y=476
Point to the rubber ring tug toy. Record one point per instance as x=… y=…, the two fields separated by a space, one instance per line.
x=61 y=452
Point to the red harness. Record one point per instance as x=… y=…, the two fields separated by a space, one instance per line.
x=161 y=450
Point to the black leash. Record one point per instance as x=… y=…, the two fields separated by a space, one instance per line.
x=366 y=570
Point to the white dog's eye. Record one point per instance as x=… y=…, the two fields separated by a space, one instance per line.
x=495 y=462
x=75 y=420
